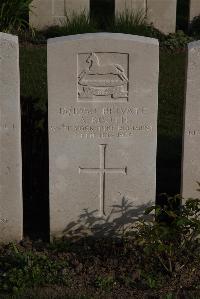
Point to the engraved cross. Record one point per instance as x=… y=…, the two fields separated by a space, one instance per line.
x=102 y=171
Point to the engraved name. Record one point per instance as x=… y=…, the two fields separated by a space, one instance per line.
x=193 y=133
x=102 y=122
x=104 y=111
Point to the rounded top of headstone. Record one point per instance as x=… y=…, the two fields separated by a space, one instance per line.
x=104 y=35
x=195 y=44
x=9 y=37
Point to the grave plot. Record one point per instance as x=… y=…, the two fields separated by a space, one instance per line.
x=103 y=92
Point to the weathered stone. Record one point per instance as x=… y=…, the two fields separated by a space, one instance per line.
x=10 y=140
x=46 y=13
x=194 y=9
x=162 y=13
x=190 y=164
x=103 y=91
x=130 y=5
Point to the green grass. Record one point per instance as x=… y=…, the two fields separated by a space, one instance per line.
x=133 y=23
x=33 y=72
x=13 y=15
x=72 y=24
x=171 y=93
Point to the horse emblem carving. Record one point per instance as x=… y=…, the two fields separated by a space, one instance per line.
x=99 y=79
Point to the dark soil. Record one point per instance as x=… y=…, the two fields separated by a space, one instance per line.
x=107 y=269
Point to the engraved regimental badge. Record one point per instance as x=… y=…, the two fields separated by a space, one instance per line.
x=103 y=77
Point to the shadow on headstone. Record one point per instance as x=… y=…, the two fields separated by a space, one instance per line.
x=120 y=220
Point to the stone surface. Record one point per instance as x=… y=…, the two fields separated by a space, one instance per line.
x=190 y=164
x=10 y=141
x=162 y=13
x=103 y=92
x=46 y=13
x=135 y=5
x=194 y=9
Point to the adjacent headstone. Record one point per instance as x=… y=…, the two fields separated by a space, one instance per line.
x=194 y=9
x=162 y=13
x=191 y=164
x=10 y=141
x=130 y=5
x=45 y=13
x=103 y=91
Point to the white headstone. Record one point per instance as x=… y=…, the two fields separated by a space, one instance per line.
x=45 y=13
x=103 y=91
x=130 y=5
x=191 y=162
x=10 y=141
x=194 y=9
x=162 y=13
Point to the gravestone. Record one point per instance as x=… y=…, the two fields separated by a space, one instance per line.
x=194 y=9
x=103 y=91
x=45 y=13
x=130 y=5
x=10 y=141
x=190 y=163
x=162 y=13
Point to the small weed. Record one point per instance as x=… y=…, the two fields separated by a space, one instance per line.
x=131 y=18
x=105 y=283
x=176 y=41
x=151 y=282
x=21 y=270
x=154 y=254
x=72 y=24
x=134 y=23
x=169 y=245
x=169 y=296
